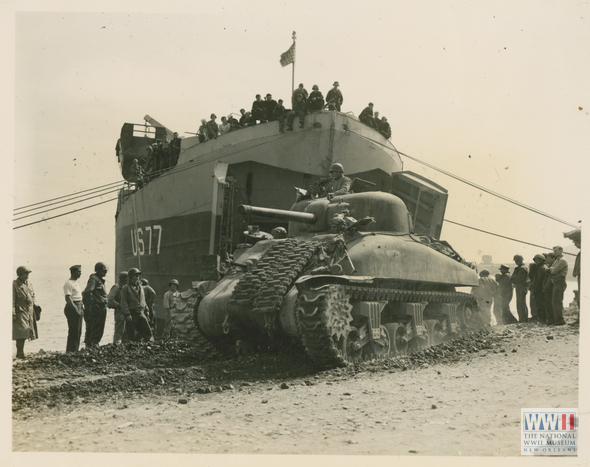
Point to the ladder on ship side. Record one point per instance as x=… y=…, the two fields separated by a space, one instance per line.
x=226 y=231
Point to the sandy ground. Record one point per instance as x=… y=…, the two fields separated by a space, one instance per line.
x=470 y=407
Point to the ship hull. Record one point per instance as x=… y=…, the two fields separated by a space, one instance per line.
x=175 y=225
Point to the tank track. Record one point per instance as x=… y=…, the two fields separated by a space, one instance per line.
x=264 y=287
x=315 y=315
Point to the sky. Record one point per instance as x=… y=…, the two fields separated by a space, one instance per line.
x=493 y=92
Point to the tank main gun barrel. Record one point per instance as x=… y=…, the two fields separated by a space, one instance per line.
x=291 y=216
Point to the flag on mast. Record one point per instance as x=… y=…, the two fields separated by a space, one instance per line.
x=288 y=56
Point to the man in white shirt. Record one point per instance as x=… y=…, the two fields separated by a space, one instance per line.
x=74 y=309
x=169 y=305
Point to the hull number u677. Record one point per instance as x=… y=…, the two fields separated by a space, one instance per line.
x=144 y=239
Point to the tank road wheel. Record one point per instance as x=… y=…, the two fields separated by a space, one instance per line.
x=435 y=331
x=381 y=348
x=323 y=318
x=398 y=345
x=348 y=346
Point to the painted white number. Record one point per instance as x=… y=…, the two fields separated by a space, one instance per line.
x=138 y=244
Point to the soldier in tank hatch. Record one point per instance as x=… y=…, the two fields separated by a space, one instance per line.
x=334 y=97
x=74 y=309
x=95 y=305
x=337 y=184
x=114 y=301
x=520 y=281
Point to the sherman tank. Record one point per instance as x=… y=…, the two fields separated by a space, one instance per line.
x=350 y=280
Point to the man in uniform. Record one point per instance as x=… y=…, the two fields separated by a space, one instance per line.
x=212 y=128
x=269 y=108
x=74 y=309
x=334 y=97
x=366 y=116
x=385 y=128
x=315 y=101
x=520 y=281
x=299 y=109
x=114 y=301
x=300 y=91
x=150 y=301
x=558 y=271
x=506 y=292
x=95 y=304
x=133 y=304
x=484 y=295
x=202 y=133
x=548 y=289
x=537 y=294
x=576 y=237
x=24 y=321
x=258 y=109
x=169 y=305
x=338 y=184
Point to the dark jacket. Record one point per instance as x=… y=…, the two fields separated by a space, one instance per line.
x=95 y=294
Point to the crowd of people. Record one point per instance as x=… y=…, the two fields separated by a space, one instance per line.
x=269 y=110
x=544 y=281
x=132 y=299
x=161 y=156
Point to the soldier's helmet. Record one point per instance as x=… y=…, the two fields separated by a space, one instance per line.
x=99 y=266
x=336 y=167
x=518 y=257
x=133 y=272
x=123 y=275
x=173 y=281
x=278 y=232
x=22 y=270
x=144 y=282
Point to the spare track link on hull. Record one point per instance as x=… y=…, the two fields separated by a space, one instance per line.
x=264 y=287
x=313 y=306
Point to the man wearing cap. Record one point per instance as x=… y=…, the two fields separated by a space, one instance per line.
x=576 y=237
x=169 y=305
x=334 y=97
x=484 y=295
x=202 y=133
x=366 y=116
x=269 y=108
x=520 y=281
x=299 y=110
x=279 y=114
x=558 y=272
x=537 y=294
x=114 y=302
x=300 y=91
x=506 y=292
x=133 y=304
x=95 y=305
x=212 y=128
x=315 y=101
x=74 y=309
x=24 y=321
x=385 y=128
x=258 y=110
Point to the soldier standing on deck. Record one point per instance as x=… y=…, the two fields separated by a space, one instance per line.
x=114 y=301
x=520 y=281
x=334 y=97
x=74 y=309
x=506 y=292
x=95 y=304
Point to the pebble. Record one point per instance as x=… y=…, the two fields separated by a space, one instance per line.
x=182 y=401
